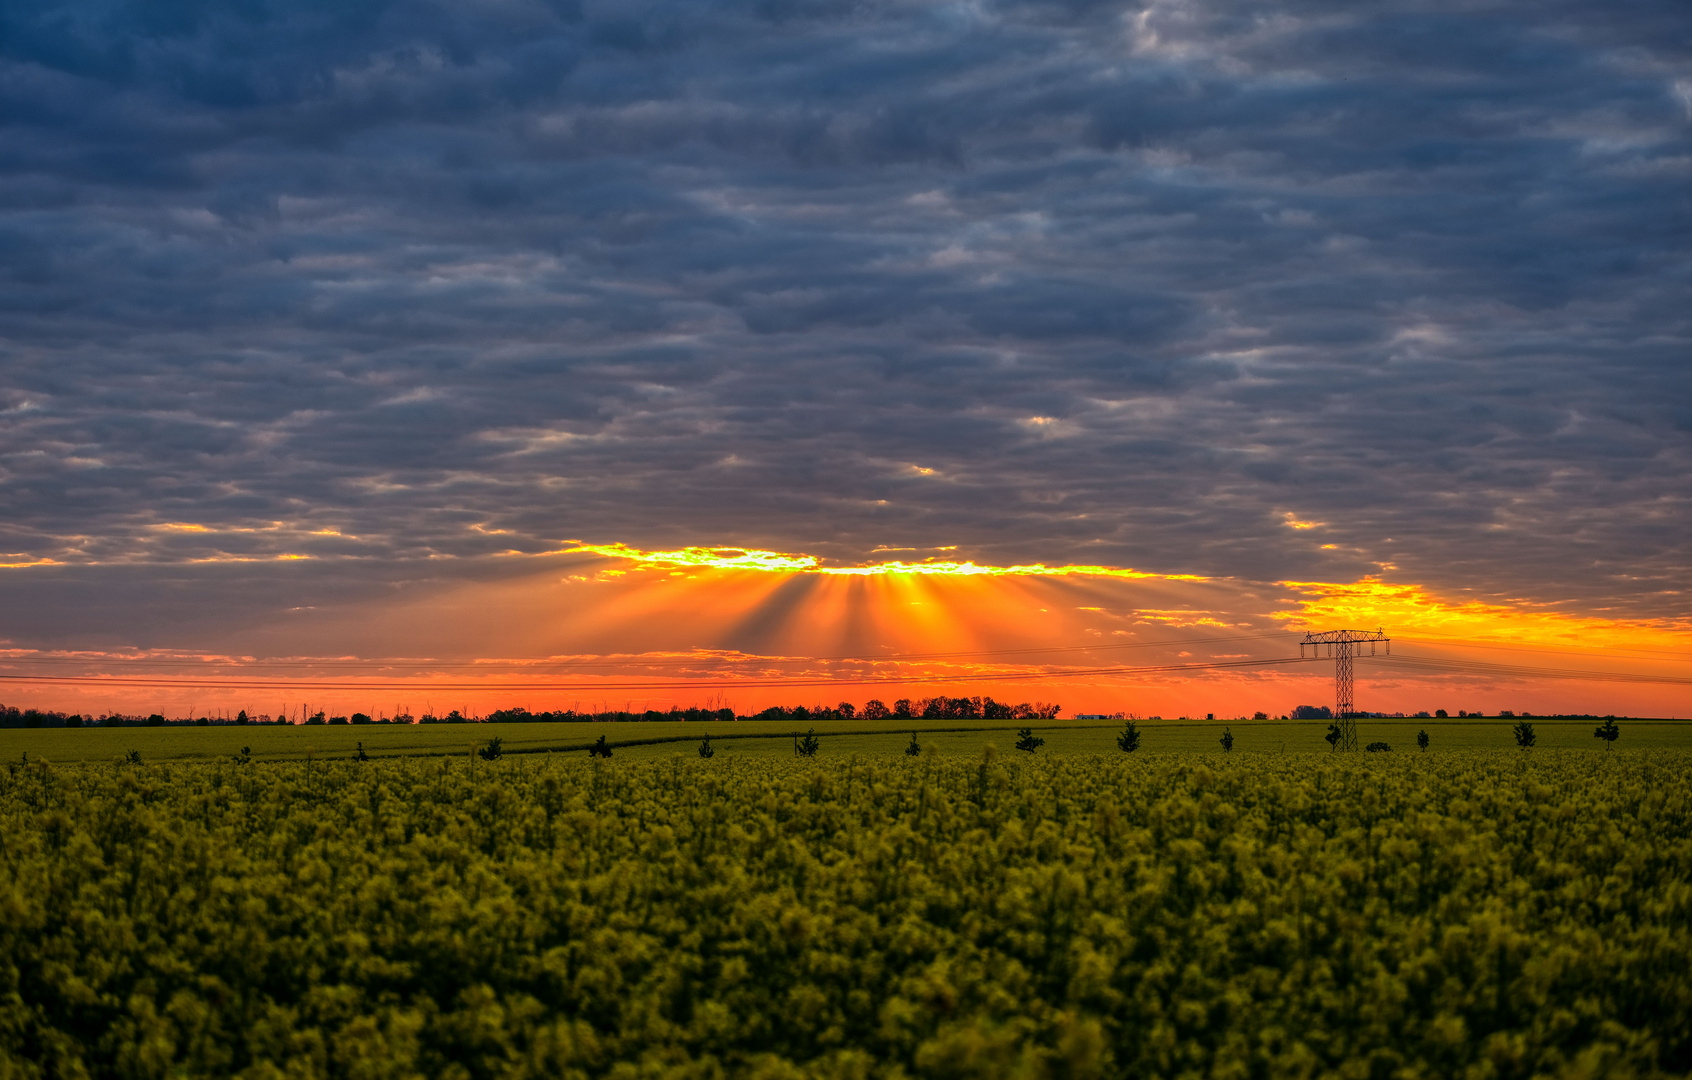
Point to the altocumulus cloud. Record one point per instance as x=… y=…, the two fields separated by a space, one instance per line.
x=400 y=286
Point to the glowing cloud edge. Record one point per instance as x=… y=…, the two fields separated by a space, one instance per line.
x=735 y=558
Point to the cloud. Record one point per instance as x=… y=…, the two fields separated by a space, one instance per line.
x=452 y=281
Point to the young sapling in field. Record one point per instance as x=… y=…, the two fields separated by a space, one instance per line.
x=1129 y=740
x=1609 y=732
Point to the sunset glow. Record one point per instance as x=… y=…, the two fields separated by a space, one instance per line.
x=1059 y=352
x=778 y=562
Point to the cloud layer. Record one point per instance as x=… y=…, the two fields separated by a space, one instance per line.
x=401 y=286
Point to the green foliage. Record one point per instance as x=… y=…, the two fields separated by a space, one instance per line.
x=808 y=746
x=1028 y=741
x=1047 y=916
x=599 y=749
x=1227 y=740
x=131 y=758
x=1608 y=731
x=1523 y=731
x=915 y=748
x=1333 y=736
x=1377 y=748
x=491 y=752
x=1422 y=740
x=1129 y=740
x=705 y=748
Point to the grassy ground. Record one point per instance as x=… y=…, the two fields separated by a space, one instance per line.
x=760 y=739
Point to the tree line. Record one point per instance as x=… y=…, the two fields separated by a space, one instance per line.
x=931 y=708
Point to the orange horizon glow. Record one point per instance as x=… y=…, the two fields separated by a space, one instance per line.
x=660 y=628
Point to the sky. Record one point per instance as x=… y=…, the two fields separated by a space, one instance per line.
x=344 y=344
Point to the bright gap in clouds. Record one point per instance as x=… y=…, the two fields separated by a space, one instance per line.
x=649 y=629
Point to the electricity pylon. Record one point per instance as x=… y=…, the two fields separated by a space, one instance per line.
x=1343 y=646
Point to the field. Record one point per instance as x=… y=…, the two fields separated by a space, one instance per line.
x=763 y=738
x=1474 y=913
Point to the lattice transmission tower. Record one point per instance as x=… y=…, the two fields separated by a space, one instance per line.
x=1343 y=646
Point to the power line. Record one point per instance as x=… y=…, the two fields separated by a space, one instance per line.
x=126 y=682
x=1523 y=671
x=619 y=659
x=1642 y=654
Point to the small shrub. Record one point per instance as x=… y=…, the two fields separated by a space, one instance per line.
x=132 y=758
x=1422 y=739
x=915 y=748
x=245 y=757
x=1523 y=731
x=1333 y=736
x=808 y=746
x=1227 y=741
x=1377 y=748
x=1129 y=740
x=1027 y=740
x=599 y=749
x=359 y=754
x=705 y=748
x=490 y=752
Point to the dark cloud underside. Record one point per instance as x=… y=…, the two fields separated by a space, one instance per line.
x=1047 y=281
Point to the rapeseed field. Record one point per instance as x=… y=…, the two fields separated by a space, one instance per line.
x=1475 y=914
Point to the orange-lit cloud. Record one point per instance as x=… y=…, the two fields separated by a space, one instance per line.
x=778 y=562
x=1412 y=609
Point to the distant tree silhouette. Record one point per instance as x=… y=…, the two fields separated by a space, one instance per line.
x=1227 y=741
x=1129 y=739
x=1422 y=740
x=1027 y=740
x=1609 y=732
x=1523 y=731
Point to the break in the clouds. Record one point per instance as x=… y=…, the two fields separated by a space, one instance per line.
x=1278 y=291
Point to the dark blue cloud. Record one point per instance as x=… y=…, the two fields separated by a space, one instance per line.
x=1043 y=280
